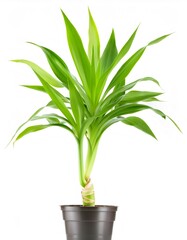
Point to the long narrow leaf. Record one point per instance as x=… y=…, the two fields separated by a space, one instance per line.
x=86 y=125
x=129 y=109
x=50 y=116
x=31 y=129
x=152 y=99
x=56 y=63
x=50 y=104
x=42 y=89
x=109 y=53
x=61 y=70
x=94 y=42
x=58 y=100
x=107 y=58
x=33 y=115
x=157 y=40
x=78 y=53
x=77 y=105
x=35 y=87
x=132 y=84
x=126 y=68
x=124 y=50
x=93 y=77
x=139 y=124
x=41 y=72
x=176 y=125
x=136 y=96
x=126 y=47
x=36 y=128
x=99 y=130
x=116 y=96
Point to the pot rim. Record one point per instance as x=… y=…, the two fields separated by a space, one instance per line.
x=72 y=207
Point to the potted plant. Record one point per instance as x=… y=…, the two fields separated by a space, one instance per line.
x=86 y=108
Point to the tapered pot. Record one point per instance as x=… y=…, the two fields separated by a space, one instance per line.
x=89 y=223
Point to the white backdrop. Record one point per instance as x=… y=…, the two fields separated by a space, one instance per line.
x=147 y=179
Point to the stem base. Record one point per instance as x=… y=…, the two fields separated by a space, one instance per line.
x=88 y=195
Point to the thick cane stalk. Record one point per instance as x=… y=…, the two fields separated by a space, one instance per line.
x=88 y=195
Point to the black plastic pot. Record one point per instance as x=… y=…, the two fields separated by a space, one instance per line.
x=89 y=223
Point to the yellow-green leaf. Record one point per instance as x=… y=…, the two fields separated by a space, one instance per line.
x=41 y=72
x=139 y=124
x=94 y=42
x=78 y=53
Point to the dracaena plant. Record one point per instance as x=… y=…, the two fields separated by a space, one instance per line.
x=92 y=103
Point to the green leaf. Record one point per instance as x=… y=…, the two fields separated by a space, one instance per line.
x=125 y=69
x=139 y=124
x=56 y=63
x=35 y=87
x=163 y=115
x=33 y=115
x=119 y=56
x=125 y=109
x=50 y=116
x=103 y=122
x=129 y=109
x=78 y=53
x=42 y=89
x=176 y=125
x=124 y=50
x=106 y=61
x=116 y=96
x=86 y=125
x=94 y=42
x=152 y=99
x=132 y=84
x=100 y=129
x=136 y=96
x=93 y=76
x=52 y=120
x=58 y=100
x=119 y=86
x=61 y=70
x=42 y=73
x=109 y=53
x=31 y=129
x=157 y=40
x=126 y=47
x=37 y=128
x=51 y=104
x=77 y=105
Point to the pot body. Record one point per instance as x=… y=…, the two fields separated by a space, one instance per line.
x=89 y=223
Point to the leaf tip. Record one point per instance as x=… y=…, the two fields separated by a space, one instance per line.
x=32 y=43
x=89 y=12
x=138 y=26
x=14 y=60
x=171 y=33
x=155 y=137
x=64 y=15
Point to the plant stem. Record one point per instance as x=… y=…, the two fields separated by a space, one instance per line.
x=81 y=163
x=90 y=161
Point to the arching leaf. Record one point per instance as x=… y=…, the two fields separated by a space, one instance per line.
x=42 y=73
x=139 y=124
